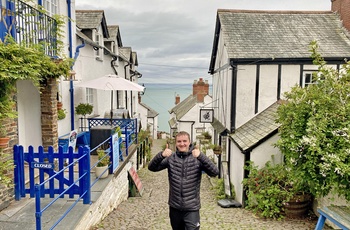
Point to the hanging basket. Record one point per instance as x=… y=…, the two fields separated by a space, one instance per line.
x=217 y=152
x=4 y=141
x=59 y=105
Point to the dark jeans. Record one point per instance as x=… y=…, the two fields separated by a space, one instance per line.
x=184 y=220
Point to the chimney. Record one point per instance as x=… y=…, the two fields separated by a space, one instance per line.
x=177 y=99
x=201 y=89
x=342 y=7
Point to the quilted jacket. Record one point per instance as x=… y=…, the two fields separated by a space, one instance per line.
x=184 y=174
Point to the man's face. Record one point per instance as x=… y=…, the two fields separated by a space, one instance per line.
x=182 y=143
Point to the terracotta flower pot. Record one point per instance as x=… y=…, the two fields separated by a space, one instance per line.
x=59 y=105
x=4 y=141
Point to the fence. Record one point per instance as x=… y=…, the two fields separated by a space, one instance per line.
x=59 y=180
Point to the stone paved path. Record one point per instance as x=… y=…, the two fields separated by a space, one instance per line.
x=151 y=210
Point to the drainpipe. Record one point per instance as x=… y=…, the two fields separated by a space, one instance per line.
x=126 y=92
x=116 y=73
x=71 y=88
x=233 y=96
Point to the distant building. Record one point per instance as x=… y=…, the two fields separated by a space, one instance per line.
x=185 y=115
x=149 y=118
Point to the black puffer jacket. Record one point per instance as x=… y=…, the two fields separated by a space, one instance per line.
x=184 y=173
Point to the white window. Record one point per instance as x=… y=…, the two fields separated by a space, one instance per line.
x=51 y=6
x=308 y=78
x=98 y=40
x=90 y=96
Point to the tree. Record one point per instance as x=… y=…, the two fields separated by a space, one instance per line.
x=315 y=129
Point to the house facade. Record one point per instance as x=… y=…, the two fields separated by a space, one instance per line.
x=149 y=119
x=95 y=48
x=99 y=52
x=185 y=115
x=256 y=57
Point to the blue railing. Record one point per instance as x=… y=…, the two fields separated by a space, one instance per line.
x=28 y=25
x=46 y=162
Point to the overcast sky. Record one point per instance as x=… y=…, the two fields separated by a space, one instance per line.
x=173 y=38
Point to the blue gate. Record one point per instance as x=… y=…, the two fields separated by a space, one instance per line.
x=54 y=177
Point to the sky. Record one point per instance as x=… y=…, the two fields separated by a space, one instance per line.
x=173 y=39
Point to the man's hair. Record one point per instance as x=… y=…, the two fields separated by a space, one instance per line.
x=183 y=133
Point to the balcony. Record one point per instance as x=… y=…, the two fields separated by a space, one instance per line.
x=29 y=26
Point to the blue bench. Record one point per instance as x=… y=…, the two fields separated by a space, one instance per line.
x=339 y=215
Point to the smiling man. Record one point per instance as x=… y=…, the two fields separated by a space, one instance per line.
x=185 y=168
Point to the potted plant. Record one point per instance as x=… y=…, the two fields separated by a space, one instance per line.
x=83 y=109
x=101 y=169
x=4 y=140
x=61 y=114
x=206 y=135
x=216 y=149
x=275 y=185
x=59 y=105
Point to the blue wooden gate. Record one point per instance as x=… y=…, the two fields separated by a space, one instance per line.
x=51 y=172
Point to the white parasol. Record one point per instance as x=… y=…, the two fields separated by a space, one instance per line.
x=111 y=82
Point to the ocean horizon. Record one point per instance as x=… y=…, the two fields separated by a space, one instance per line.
x=161 y=98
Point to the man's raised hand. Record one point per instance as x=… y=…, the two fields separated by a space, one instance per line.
x=167 y=152
x=196 y=151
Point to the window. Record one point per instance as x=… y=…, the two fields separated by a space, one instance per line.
x=98 y=41
x=308 y=79
x=90 y=96
x=51 y=6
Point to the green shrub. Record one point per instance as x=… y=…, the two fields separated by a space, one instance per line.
x=220 y=190
x=268 y=188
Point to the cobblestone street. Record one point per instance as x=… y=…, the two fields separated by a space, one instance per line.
x=151 y=210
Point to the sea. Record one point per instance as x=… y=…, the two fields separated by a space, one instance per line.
x=161 y=98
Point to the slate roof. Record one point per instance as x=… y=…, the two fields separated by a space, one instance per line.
x=257 y=129
x=114 y=34
x=184 y=106
x=172 y=123
x=126 y=53
x=91 y=19
x=150 y=112
x=134 y=58
x=218 y=126
x=251 y=34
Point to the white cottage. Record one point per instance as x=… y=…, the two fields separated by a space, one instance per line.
x=256 y=57
x=185 y=115
x=99 y=52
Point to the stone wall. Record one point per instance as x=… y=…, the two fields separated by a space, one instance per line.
x=49 y=132
x=7 y=193
x=49 y=127
x=114 y=193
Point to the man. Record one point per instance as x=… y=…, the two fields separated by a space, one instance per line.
x=185 y=168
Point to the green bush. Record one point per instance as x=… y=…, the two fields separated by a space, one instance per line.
x=315 y=130
x=83 y=109
x=220 y=190
x=268 y=188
